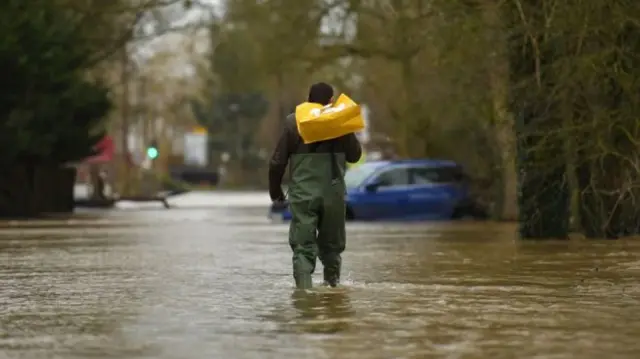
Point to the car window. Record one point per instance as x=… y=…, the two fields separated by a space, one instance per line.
x=394 y=177
x=421 y=175
x=356 y=175
x=426 y=175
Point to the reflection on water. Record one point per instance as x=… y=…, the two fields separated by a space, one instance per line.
x=216 y=283
x=323 y=310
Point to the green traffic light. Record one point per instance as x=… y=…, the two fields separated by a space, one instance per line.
x=152 y=152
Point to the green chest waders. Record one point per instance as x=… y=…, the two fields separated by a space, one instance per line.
x=316 y=200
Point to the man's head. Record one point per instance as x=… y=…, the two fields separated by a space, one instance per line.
x=321 y=93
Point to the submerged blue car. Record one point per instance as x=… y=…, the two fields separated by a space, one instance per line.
x=405 y=190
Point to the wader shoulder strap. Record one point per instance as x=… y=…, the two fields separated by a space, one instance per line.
x=335 y=171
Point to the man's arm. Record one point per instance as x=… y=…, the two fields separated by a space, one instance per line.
x=278 y=165
x=352 y=150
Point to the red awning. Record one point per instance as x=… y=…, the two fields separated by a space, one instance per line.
x=105 y=149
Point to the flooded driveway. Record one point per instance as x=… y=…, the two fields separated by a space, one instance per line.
x=215 y=282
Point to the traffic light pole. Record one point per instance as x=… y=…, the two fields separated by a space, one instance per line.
x=125 y=121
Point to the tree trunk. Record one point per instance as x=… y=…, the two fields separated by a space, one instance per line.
x=16 y=192
x=498 y=70
x=28 y=191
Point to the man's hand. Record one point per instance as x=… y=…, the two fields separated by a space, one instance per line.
x=277 y=195
x=279 y=161
x=279 y=204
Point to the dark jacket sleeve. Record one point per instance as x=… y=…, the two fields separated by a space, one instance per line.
x=352 y=150
x=278 y=165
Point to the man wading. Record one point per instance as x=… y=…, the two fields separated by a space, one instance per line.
x=316 y=194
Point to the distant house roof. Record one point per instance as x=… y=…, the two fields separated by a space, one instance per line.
x=105 y=150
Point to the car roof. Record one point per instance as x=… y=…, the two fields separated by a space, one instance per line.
x=414 y=162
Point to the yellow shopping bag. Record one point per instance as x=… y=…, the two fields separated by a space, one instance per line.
x=319 y=123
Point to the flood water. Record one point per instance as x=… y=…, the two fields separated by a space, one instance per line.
x=215 y=282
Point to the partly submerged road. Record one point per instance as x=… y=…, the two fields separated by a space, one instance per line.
x=214 y=282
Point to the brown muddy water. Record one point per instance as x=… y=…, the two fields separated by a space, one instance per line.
x=215 y=283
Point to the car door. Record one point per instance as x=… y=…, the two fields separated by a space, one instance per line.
x=430 y=195
x=389 y=199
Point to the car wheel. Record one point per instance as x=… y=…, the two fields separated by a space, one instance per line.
x=349 y=214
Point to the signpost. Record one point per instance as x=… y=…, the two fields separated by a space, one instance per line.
x=195 y=147
x=364 y=135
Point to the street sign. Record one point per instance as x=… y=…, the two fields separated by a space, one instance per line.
x=196 y=148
